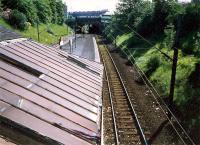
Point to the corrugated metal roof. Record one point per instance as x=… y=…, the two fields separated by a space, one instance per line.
x=50 y=92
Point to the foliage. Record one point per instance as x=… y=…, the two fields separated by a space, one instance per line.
x=184 y=91
x=50 y=33
x=191 y=19
x=53 y=10
x=43 y=10
x=149 y=62
x=123 y=38
x=60 y=11
x=24 y=6
x=145 y=26
x=160 y=13
x=191 y=44
x=18 y=20
x=152 y=64
x=158 y=22
x=175 y=9
x=45 y=37
x=169 y=36
x=197 y=43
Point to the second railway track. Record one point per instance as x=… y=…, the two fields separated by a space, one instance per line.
x=122 y=125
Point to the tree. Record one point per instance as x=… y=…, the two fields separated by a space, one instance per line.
x=124 y=8
x=24 y=6
x=54 y=11
x=44 y=12
x=18 y=20
x=160 y=13
x=47 y=11
x=60 y=11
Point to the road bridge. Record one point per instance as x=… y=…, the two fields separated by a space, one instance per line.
x=93 y=19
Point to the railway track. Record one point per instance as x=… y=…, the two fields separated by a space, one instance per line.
x=121 y=125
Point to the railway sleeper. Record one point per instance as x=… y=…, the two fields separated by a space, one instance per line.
x=119 y=91
x=125 y=127
x=121 y=106
x=130 y=140
x=121 y=99
x=130 y=132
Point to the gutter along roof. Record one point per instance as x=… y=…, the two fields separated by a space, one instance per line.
x=50 y=92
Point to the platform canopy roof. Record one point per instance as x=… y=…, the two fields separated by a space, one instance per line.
x=47 y=95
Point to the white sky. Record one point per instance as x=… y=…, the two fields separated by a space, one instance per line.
x=90 y=5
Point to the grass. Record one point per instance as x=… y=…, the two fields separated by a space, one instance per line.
x=45 y=37
x=161 y=74
x=123 y=38
x=158 y=70
x=3 y=23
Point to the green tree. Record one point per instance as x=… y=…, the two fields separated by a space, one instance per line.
x=18 y=20
x=24 y=6
x=54 y=11
x=60 y=11
x=160 y=13
x=123 y=12
x=44 y=12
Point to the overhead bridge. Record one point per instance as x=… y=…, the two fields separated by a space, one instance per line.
x=94 y=19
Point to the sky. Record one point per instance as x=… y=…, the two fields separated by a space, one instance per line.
x=90 y=5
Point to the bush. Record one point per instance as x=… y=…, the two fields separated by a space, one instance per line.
x=18 y=20
x=191 y=44
x=152 y=65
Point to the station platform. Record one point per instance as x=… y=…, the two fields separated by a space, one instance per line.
x=84 y=47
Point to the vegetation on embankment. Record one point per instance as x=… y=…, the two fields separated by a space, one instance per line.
x=49 y=33
x=23 y=16
x=158 y=23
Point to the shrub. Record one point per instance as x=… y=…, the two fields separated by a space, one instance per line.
x=152 y=65
x=191 y=44
x=18 y=20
